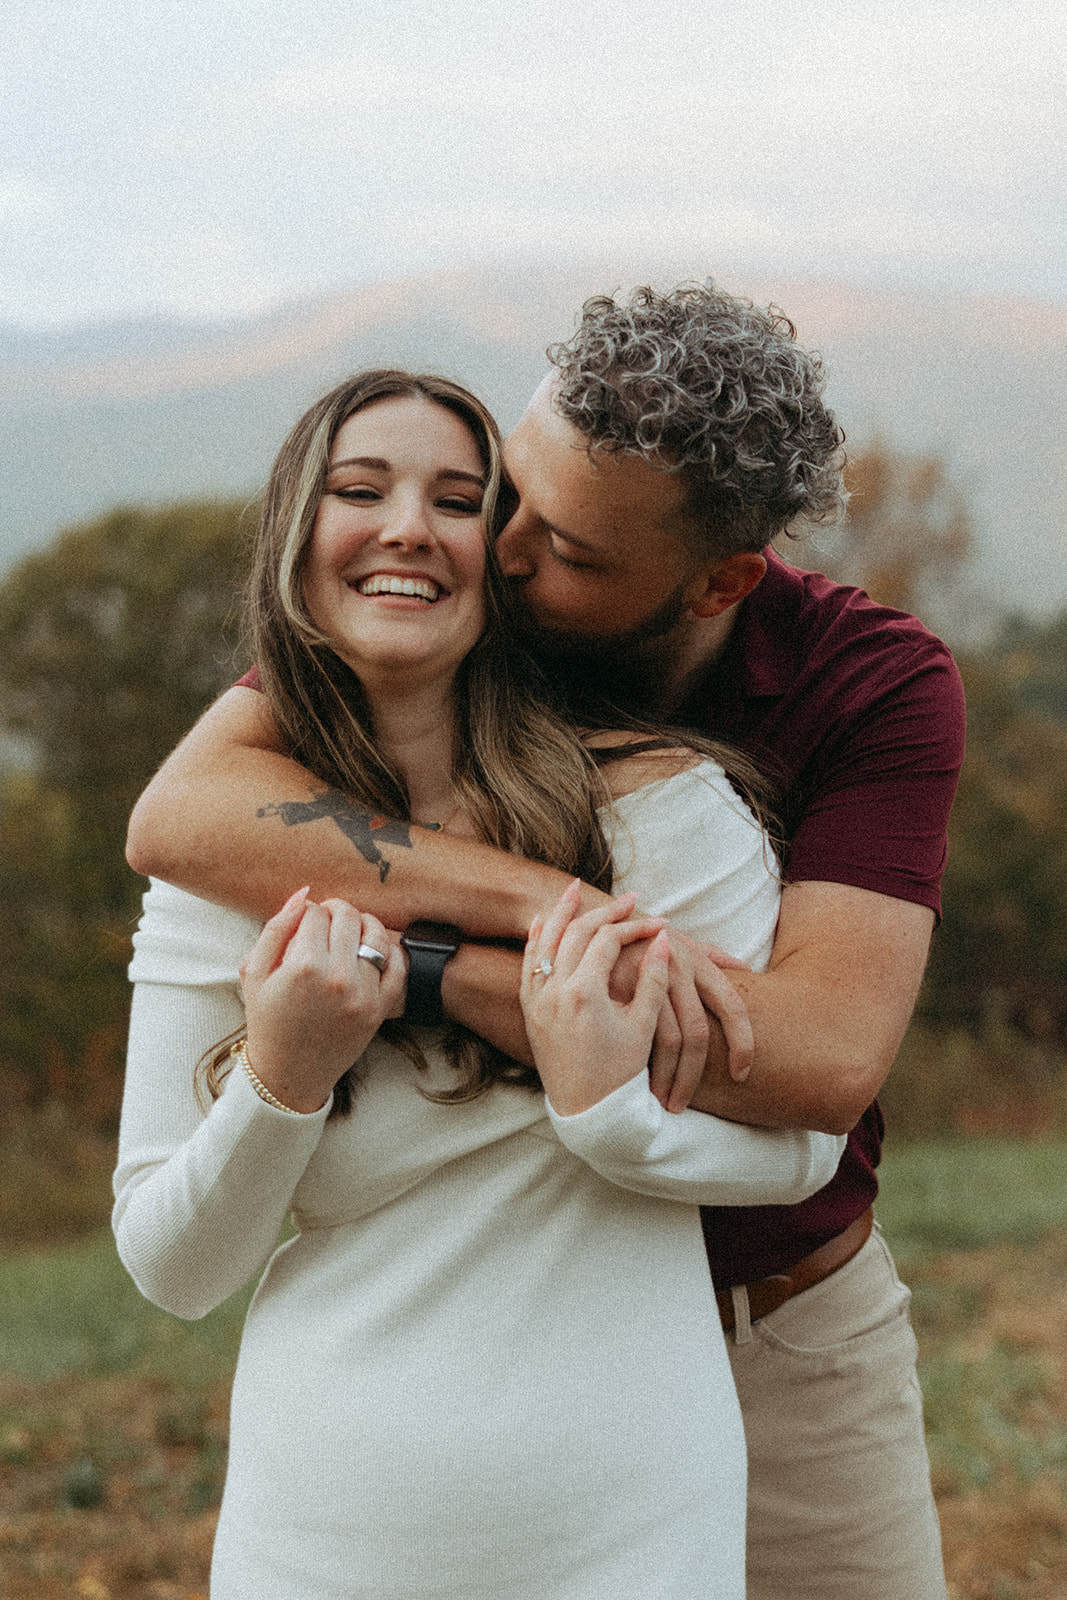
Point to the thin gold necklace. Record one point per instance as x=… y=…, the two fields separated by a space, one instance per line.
x=438 y=827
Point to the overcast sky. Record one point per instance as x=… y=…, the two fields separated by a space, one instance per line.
x=207 y=160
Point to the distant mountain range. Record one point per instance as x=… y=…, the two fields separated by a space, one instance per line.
x=152 y=411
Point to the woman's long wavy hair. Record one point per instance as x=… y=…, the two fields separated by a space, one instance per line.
x=521 y=770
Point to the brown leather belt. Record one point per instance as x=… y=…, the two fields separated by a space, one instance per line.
x=767 y=1294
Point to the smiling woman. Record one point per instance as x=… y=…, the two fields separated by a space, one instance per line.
x=398 y=533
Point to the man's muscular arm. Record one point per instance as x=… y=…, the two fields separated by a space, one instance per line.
x=829 y=1013
x=230 y=817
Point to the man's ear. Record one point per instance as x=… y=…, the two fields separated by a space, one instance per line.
x=727 y=583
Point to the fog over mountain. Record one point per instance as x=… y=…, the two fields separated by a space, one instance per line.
x=153 y=410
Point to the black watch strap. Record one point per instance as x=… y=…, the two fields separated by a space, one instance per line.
x=429 y=945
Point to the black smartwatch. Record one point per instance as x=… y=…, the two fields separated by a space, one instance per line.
x=429 y=945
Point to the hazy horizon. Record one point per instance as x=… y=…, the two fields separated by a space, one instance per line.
x=214 y=161
x=148 y=414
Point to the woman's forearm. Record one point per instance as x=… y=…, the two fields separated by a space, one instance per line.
x=199 y=1199
x=632 y=1141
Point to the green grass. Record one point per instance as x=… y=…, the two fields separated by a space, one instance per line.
x=74 y=1310
x=980 y=1419
x=979 y=1230
x=968 y=1194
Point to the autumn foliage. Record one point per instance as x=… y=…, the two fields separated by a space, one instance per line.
x=111 y=642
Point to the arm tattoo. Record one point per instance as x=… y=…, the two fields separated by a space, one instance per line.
x=364 y=827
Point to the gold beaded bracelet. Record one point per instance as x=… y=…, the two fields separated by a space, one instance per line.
x=240 y=1055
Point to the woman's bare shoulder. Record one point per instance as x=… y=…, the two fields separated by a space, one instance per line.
x=636 y=765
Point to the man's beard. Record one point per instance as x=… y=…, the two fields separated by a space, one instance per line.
x=621 y=669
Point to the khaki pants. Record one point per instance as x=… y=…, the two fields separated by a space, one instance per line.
x=839 y=1500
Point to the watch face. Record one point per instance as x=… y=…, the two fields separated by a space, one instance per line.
x=441 y=936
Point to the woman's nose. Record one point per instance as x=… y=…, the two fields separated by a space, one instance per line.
x=409 y=526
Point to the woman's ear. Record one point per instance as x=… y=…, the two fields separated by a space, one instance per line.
x=726 y=583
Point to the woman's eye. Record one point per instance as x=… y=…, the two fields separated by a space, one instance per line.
x=460 y=503
x=358 y=492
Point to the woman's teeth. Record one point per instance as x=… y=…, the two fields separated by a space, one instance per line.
x=382 y=583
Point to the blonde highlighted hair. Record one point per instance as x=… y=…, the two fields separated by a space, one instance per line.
x=521 y=770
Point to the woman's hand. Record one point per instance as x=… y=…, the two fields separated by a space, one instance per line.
x=314 y=1004
x=585 y=1043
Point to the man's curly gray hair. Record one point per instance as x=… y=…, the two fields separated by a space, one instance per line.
x=704 y=383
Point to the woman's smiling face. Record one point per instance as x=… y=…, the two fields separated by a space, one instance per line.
x=395 y=572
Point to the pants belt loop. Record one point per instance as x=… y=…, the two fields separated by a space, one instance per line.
x=742 y=1320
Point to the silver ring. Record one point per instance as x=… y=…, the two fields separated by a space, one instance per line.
x=545 y=968
x=375 y=957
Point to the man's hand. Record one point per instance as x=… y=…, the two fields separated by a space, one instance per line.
x=701 y=1002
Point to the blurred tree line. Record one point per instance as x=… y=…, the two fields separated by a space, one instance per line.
x=114 y=639
x=993 y=1012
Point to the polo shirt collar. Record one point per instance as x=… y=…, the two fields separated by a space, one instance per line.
x=762 y=645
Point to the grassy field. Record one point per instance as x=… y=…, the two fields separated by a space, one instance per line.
x=979 y=1229
x=113 y=1415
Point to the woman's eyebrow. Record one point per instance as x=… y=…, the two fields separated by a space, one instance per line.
x=376 y=463
x=379 y=464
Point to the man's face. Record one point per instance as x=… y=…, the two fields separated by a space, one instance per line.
x=595 y=551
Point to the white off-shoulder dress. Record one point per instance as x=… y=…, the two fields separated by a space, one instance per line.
x=489 y=1366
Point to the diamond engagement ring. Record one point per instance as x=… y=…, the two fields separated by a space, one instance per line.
x=545 y=968
x=368 y=953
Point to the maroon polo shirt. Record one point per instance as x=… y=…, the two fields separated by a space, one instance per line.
x=857 y=713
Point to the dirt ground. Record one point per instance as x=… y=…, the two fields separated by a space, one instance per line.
x=109 y=1487
x=1005 y=1539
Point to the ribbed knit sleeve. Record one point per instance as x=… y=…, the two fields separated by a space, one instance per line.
x=200 y=1196
x=629 y=1139
x=691 y=850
